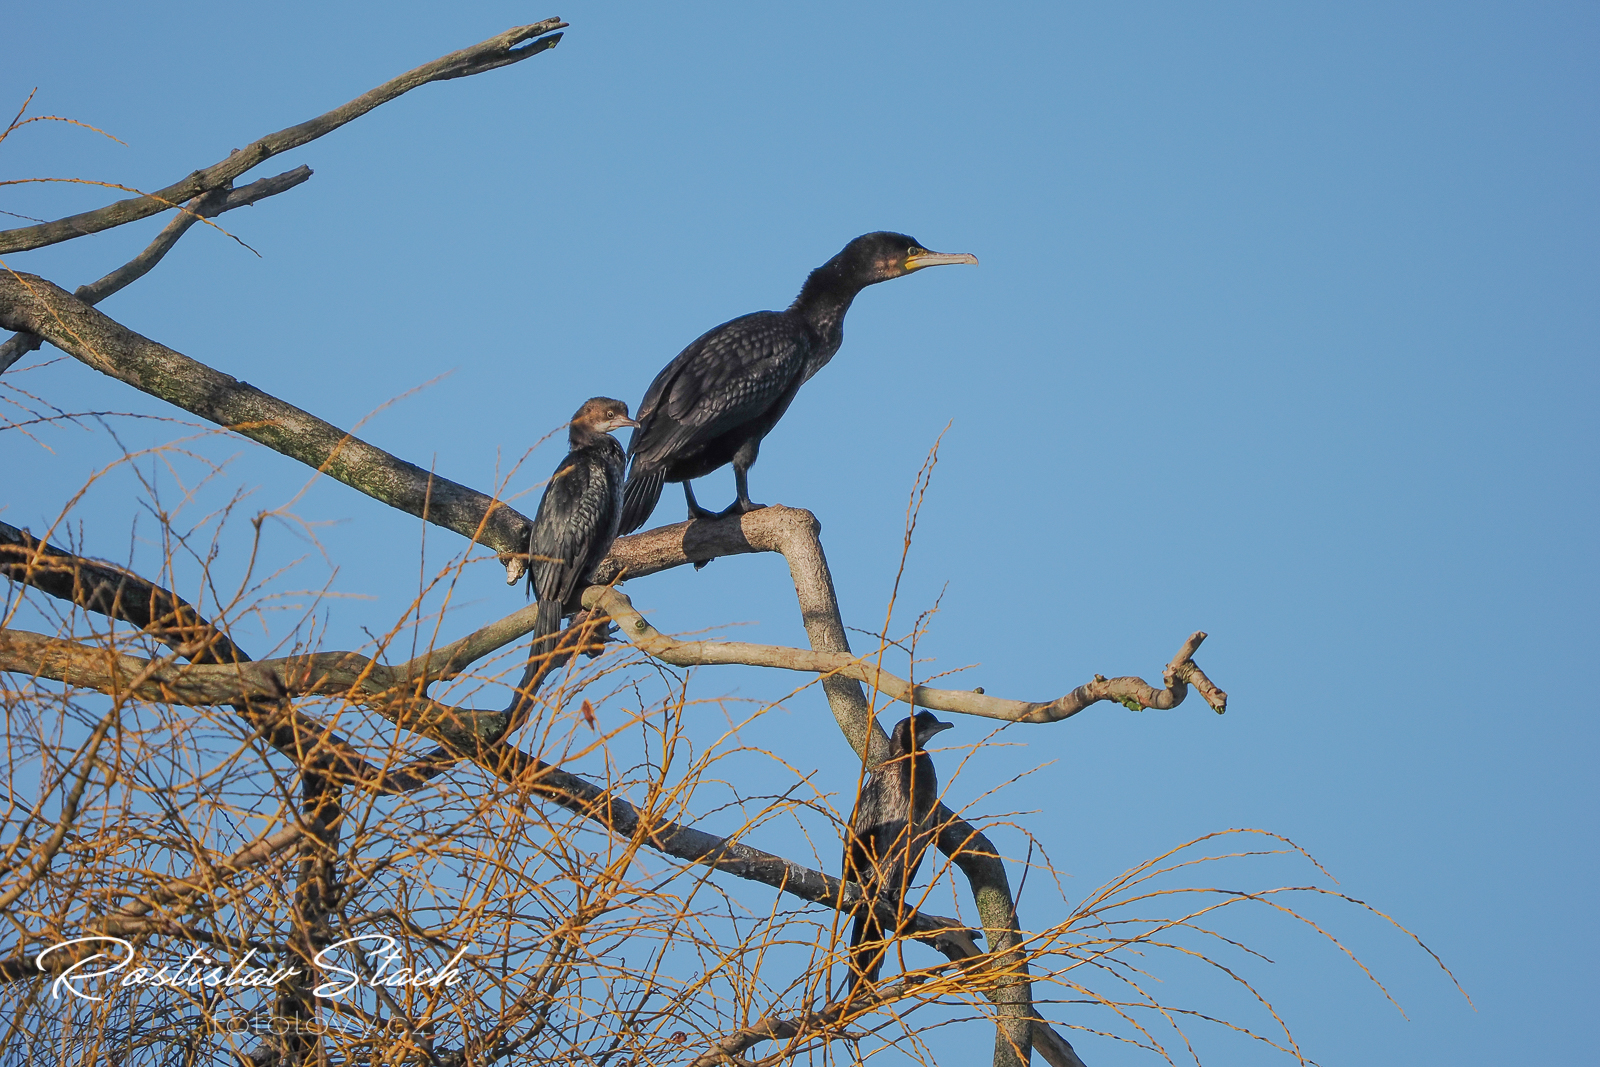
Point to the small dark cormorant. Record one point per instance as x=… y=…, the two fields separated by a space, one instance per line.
x=890 y=831
x=715 y=402
x=578 y=514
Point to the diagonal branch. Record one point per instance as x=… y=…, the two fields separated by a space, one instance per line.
x=795 y=534
x=121 y=594
x=210 y=205
x=30 y=303
x=499 y=51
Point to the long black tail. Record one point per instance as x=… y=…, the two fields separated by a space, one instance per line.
x=639 y=496
x=546 y=623
x=866 y=962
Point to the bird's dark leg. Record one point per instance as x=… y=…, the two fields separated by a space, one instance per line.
x=742 y=461
x=695 y=510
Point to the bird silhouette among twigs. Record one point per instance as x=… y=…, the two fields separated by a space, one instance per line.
x=714 y=403
x=890 y=831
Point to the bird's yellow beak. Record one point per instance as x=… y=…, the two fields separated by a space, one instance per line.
x=939 y=259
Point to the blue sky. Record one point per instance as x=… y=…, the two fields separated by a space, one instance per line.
x=1285 y=329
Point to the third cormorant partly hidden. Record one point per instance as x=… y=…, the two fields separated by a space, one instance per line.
x=889 y=833
x=715 y=402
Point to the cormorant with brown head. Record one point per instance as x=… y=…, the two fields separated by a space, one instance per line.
x=578 y=514
x=891 y=829
x=715 y=402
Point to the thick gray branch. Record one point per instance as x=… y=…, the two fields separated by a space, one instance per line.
x=208 y=206
x=30 y=303
x=498 y=51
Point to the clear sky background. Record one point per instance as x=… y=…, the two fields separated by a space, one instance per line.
x=1285 y=329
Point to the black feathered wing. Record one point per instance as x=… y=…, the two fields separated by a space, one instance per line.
x=875 y=860
x=881 y=857
x=736 y=374
x=573 y=529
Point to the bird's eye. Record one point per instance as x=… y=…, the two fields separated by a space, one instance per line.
x=913 y=250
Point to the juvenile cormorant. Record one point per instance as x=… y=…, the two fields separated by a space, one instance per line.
x=578 y=514
x=715 y=402
x=890 y=831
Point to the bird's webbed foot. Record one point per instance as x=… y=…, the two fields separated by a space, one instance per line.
x=740 y=507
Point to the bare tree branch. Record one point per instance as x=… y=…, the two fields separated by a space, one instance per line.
x=121 y=594
x=796 y=535
x=206 y=206
x=113 y=592
x=133 y=918
x=619 y=817
x=1126 y=691
x=497 y=51
x=30 y=303
x=828 y=1024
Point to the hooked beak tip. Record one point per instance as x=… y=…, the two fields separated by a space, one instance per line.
x=940 y=259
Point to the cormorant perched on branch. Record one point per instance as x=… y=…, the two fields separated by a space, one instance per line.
x=578 y=514
x=724 y=393
x=890 y=831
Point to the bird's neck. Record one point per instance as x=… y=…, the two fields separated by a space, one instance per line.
x=581 y=436
x=824 y=299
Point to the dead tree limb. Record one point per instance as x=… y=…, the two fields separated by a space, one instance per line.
x=509 y=47
x=115 y=593
x=1129 y=691
x=120 y=594
x=30 y=303
x=207 y=206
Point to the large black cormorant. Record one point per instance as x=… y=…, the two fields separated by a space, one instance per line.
x=715 y=402
x=578 y=514
x=891 y=829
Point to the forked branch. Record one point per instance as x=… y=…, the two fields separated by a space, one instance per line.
x=207 y=206
x=512 y=46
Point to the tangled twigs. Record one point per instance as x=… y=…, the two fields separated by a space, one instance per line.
x=113 y=592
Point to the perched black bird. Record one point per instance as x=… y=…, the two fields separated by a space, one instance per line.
x=890 y=831
x=577 y=517
x=724 y=393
